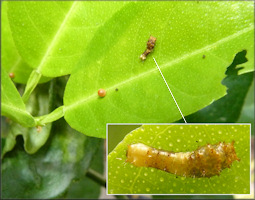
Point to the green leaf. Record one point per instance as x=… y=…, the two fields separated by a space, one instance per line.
x=12 y=105
x=124 y=178
x=11 y=61
x=51 y=36
x=49 y=172
x=193 y=48
x=34 y=138
x=228 y=108
x=41 y=102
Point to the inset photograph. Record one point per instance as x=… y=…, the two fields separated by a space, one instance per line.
x=178 y=159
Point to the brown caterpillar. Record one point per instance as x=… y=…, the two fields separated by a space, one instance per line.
x=206 y=161
x=150 y=47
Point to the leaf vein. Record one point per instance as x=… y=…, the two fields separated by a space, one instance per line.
x=169 y=64
x=55 y=38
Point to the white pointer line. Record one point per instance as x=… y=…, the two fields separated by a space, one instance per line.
x=169 y=90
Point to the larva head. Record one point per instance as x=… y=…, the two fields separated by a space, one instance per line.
x=137 y=154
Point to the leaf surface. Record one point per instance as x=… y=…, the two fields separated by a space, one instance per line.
x=11 y=61
x=124 y=178
x=12 y=105
x=51 y=36
x=193 y=48
x=228 y=108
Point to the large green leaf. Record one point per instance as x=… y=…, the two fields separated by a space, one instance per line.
x=124 y=178
x=51 y=36
x=12 y=105
x=11 y=61
x=50 y=171
x=228 y=108
x=135 y=89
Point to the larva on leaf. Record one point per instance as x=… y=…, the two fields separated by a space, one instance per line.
x=206 y=161
x=150 y=47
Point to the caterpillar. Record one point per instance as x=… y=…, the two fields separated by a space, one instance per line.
x=150 y=47
x=205 y=161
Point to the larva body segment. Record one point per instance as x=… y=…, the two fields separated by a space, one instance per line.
x=150 y=46
x=206 y=161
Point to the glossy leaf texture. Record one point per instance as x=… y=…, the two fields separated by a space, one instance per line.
x=11 y=61
x=51 y=36
x=12 y=105
x=124 y=178
x=49 y=172
x=193 y=48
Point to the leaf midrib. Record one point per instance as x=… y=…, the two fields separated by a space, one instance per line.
x=55 y=38
x=169 y=64
x=15 y=110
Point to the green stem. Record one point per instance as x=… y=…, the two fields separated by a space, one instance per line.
x=95 y=176
x=31 y=84
x=51 y=117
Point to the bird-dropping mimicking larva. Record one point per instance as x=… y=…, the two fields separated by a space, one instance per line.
x=150 y=46
x=206 y=161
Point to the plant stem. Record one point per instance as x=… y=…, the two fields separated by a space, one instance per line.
x=31 y=84
x=51 y=117
x=95 y=176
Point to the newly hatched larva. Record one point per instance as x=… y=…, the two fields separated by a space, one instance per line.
x=150 y=47
x=206 y=161
x=101 y=92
